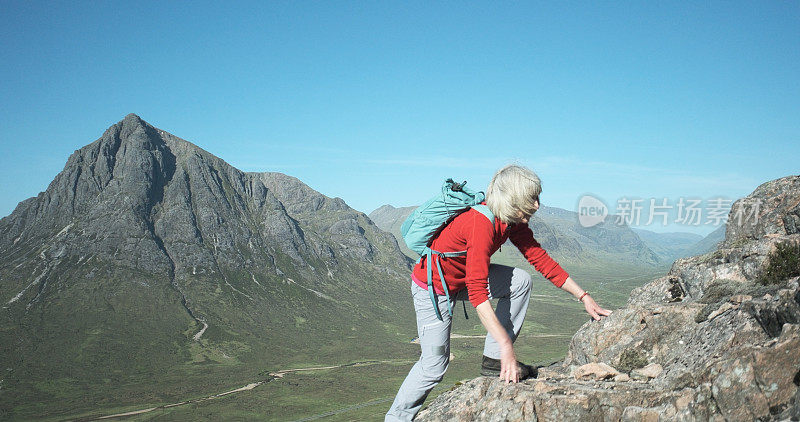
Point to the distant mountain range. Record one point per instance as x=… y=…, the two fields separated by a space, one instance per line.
x=571 y=244
x=147 y=254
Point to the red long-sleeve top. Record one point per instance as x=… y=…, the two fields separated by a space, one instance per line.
x=473 y=232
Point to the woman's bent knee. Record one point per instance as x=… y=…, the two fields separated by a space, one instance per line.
x=521 y=280
x=434 y=367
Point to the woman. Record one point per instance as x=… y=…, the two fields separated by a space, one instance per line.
x=513 y=197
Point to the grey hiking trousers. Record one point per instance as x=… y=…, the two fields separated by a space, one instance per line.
x=512 y=286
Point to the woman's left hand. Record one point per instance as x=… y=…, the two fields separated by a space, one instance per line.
x=594 y=309
x=591 y=307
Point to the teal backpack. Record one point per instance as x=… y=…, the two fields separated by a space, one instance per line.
x=427 y=221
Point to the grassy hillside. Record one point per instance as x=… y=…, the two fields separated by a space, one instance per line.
x=107 y=358
x=361 y=392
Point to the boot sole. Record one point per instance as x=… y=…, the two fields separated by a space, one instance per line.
x=532 y=373
x=490 y=373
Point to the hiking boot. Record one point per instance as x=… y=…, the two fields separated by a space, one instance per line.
x=491 y=368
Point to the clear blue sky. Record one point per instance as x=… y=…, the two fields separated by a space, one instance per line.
x=377 y=102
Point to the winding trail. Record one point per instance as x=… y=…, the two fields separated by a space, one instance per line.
x=277 y=375
x=526 y=336
x=272 y=377
x=198 y=335
x=346 y=409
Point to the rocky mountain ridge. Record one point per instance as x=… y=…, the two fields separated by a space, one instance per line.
x=704 y=342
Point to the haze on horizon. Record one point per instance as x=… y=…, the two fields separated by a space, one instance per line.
x=377 y=103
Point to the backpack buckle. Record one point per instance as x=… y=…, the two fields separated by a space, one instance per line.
x=456 y=187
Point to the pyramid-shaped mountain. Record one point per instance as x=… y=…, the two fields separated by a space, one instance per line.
x=147 y=252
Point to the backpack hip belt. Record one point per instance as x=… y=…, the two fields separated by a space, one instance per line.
x=431 y=260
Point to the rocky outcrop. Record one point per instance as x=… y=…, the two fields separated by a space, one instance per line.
x=776 y=208
x=705 y=342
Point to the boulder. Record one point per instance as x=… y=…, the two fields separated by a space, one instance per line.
x=650 y=371
x=595 y=371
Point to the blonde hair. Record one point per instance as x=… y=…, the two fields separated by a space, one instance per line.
x=513 y=189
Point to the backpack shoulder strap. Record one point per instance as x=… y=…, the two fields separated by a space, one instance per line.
x=439 y=230
x=483 y=209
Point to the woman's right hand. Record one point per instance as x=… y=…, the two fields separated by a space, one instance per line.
x=509 y=372
x=593 y=309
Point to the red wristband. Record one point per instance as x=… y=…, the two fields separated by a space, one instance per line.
x=584 y=294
